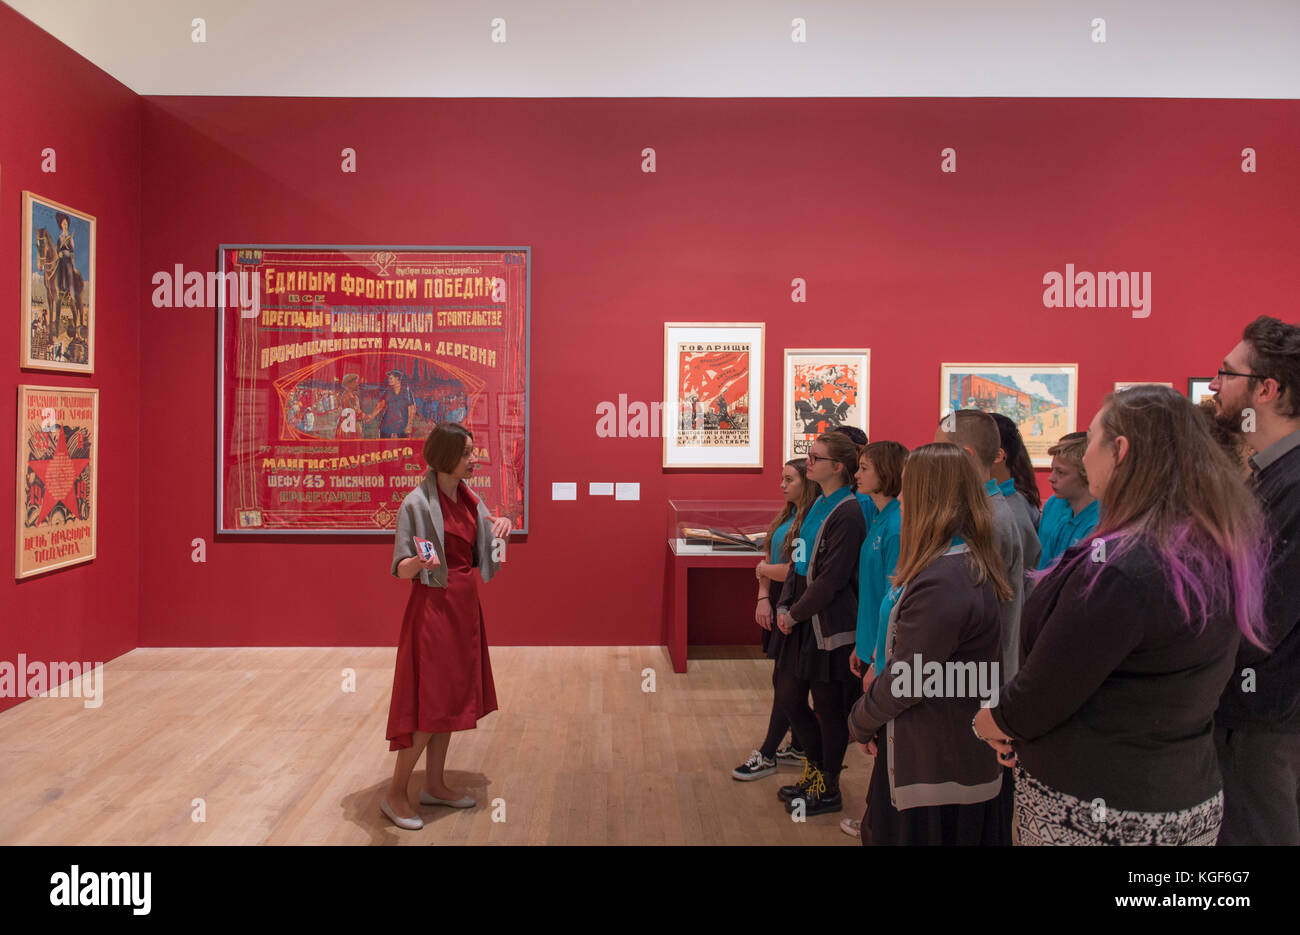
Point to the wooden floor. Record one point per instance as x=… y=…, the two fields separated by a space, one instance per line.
x=280 y=754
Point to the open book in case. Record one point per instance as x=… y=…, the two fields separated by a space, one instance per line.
x=697 y=527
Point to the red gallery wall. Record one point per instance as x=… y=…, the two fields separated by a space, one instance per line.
x=918 y=265
x=52 y=97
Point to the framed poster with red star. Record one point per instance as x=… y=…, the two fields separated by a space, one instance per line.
x=58 y=467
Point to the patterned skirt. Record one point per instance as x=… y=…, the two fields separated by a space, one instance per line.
x=1046 y=816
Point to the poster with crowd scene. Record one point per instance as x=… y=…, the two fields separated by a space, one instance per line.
x=337 y=362
x=713 y=384
x=58 y=467
x=824 y=389
x=58 y=287
x=1042 y=399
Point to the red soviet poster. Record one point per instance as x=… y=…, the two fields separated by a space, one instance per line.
x=58 y=467
x=342 y=363
x=714 y=394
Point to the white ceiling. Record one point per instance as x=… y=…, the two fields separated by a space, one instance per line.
x=680 y=48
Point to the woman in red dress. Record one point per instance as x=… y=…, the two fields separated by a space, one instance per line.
x=443 y=679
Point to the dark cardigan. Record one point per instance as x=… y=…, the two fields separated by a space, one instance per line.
x=1116 y=692
x=934 y=756
x=830 y=601
x=1274 y=704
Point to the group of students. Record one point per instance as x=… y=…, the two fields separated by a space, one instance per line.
x=1138 y=631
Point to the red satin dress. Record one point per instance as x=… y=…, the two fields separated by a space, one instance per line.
x=443 y=679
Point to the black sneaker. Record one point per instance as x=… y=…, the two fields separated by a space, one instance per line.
x=817 y=799
x=786 y=793
x=790 y=755
x=756 y=767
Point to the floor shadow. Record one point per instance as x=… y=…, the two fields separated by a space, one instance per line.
x=362 y=808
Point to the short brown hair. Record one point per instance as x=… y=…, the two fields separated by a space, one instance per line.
x=445 y=446
x=1275 y=354
x=976 y=430
x=1070 y=449
x=887 y=459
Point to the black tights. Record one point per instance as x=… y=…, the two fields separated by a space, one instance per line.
x=777 y=725
x=825 y=734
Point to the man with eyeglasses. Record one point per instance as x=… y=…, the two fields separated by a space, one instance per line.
x=1257 y=726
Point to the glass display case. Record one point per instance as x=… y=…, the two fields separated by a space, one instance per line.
x=703 y=527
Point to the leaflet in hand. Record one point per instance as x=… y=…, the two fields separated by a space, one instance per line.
x=426 y=550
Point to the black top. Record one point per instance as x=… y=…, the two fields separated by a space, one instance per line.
x=1274 y=705
x=830 y=600
x=1116 y=692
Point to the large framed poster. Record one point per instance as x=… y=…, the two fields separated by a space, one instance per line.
x=1042 y=399
x=344 y=360
x=58 y=470
x=823 y=390
x=713 y=394
x=58 y=285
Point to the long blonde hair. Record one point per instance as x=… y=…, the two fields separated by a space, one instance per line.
x=942 y=498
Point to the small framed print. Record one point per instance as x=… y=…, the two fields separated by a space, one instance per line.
x=713 y=395
x=1198 y=388
x=58 y=287
x=824 y=389
x=1042 y=399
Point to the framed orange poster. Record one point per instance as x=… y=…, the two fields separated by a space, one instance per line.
x=58 y=466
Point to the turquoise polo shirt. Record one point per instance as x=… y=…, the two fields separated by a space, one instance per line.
x=868 y=507
x=774 y=554
x=1060 y=528
x=877 y=561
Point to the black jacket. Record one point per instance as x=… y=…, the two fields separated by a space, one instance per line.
x=1116 y=692
x=1274 y=705
x=830 y=601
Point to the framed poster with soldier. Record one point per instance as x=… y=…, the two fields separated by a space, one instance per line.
x=824 y=390
x=58 y=286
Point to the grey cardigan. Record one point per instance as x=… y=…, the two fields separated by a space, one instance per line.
x=934 y=758
x=421 y=515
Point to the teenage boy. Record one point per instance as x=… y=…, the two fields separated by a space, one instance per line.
x=1072 y=512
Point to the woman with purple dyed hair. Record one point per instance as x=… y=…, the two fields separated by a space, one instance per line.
x=1127 y=644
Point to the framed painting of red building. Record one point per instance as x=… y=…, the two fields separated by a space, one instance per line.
x=1042 y=399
